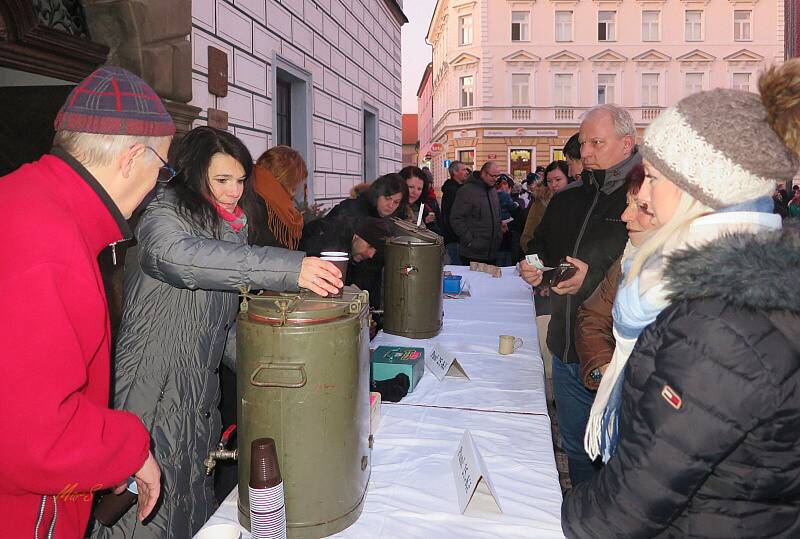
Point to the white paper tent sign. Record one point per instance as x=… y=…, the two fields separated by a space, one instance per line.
x=476 y=494
x=442 y=363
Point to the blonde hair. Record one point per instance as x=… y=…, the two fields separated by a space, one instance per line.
x=93 y=149
x=672 y=234
x=286 y=164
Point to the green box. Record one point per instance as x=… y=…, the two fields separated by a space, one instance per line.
x=389 y=361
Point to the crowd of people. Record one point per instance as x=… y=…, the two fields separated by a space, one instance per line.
x=675 y=352
x=675 y=348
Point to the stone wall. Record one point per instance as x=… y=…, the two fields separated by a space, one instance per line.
x=351 y=49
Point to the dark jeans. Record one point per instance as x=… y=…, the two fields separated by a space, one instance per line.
x=452 y=253
x=504 y=259
x=573 y=404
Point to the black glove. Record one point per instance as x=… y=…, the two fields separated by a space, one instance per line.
x=394 y=389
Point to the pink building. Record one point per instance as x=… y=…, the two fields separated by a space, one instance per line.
x=792 y=28
x=512 y=78
x=425 y=116
x=410 y=140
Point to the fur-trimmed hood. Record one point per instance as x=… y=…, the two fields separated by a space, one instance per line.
x=755 y=271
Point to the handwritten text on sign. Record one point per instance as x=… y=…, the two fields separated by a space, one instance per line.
x=441 y=363
x=474 y=488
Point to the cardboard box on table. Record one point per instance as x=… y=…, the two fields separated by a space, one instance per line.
x=389 y=361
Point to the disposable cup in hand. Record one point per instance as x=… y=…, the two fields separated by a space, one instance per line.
x=340 y=262
x=333 y=253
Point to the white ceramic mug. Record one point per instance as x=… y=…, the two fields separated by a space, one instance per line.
x=220 y=531
x=509 y=344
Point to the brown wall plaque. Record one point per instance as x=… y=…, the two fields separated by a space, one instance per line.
x=218 y=118
x=217 y=72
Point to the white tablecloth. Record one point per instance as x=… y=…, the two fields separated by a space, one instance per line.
x=472 y=327
x=411 y=492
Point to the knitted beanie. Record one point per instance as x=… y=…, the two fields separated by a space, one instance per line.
x=114 y=101
x=719 y=147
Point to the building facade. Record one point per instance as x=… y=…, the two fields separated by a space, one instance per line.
x=425 y=116
x=792 y=25
x=410 y=140
x=512 y=78
x=322 y=76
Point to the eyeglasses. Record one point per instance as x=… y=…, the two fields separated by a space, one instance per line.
x=166 y=172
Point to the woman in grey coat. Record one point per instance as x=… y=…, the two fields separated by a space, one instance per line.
x=181 y=297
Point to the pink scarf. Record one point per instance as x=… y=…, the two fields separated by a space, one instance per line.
x=236 y=219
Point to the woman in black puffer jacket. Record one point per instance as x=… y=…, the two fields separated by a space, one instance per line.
x=703 y=431
x=386 y=197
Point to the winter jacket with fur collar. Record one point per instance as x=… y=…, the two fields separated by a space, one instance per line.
x=711 y=404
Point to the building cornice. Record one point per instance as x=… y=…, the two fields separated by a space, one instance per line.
x=397 y=11
x=425 y=76
x=437 y=14
x=744 y=57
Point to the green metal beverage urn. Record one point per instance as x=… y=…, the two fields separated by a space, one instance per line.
x=303 y=380
x=412 y=282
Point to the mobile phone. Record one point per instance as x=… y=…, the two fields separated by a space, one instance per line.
x=563 y=272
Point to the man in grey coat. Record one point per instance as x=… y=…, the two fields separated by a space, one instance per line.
x=475 y=216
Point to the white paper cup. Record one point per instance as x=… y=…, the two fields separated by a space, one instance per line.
x=334 y=253
x=220 y=531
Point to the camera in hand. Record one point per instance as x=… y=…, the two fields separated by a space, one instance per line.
x=563 y=272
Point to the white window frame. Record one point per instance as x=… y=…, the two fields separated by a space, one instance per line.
x=657 y=25
x=642 y=92
x=739 y=28
x=526 y=26
x=470 y=149
x=465 y=31
x=701 y=37
x=703 y=77
x=571 y=90
x=611 y=26
x=461 y=92
x=749 y=80
x=614 y=87
x=568 y=27
x=528 y=93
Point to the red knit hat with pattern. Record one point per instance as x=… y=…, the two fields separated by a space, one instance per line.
x=114 y=101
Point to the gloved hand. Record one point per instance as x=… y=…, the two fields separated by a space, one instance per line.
x=394 y=389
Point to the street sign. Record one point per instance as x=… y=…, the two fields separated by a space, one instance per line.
x=447 y=163
x=436 y=147
x=492 y=156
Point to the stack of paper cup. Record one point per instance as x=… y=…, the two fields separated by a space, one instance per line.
x=267 y=510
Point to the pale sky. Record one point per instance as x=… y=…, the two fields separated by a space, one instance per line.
x=415 y=52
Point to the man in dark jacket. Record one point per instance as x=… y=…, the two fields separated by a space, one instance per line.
x=335 y=234
x=475 y=217
x=583 y=226
x=458 y=175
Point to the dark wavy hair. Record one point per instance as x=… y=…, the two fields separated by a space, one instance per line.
x=192 y=159
x=560 y=165
x=634 y=179
x=389 y=185
x=415 y=172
